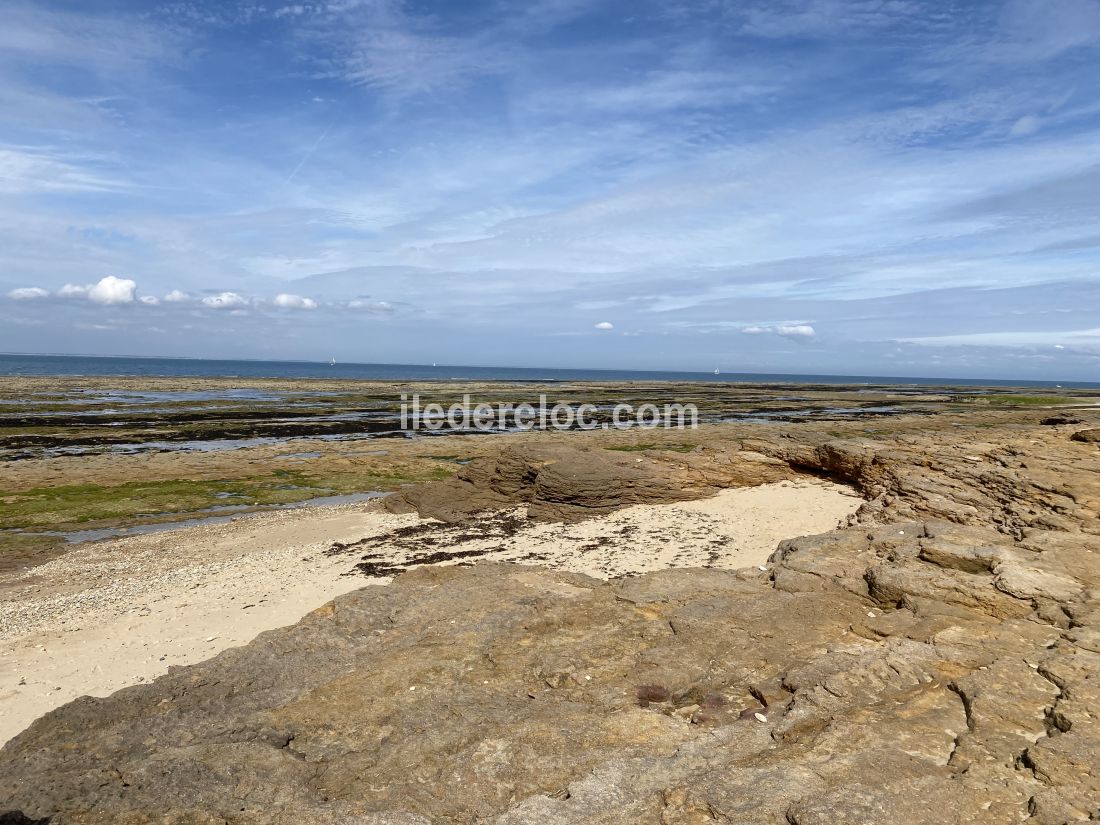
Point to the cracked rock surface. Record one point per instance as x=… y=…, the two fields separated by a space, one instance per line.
x=937 y=660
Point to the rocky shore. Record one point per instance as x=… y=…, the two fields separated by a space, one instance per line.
x=936 y=660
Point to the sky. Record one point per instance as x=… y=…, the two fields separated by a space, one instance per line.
x=887 y=187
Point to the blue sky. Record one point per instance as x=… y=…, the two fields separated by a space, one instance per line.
x=843 y=186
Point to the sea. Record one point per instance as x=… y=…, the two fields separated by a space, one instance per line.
x=78 y=365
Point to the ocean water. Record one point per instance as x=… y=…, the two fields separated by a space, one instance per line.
x=17 y=364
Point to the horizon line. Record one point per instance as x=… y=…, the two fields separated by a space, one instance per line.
x=916 y=379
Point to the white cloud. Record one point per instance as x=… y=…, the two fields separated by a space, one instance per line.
x=370 y=306
x=108 y=291
x=28 y=293
x=72 y=291
x=225 y=300
x=796 y=331
x=785 y=330
x=605 y=325
x=111 y=291
x=151 y=300
x=288 y=301
x=177 y=296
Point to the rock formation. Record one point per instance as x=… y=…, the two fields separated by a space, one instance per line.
x=937 y=661
x=565 y=483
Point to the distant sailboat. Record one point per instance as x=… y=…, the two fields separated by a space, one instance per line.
x=716 y=372
x=332 y=361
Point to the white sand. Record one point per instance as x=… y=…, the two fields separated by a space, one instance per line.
x=112 y=614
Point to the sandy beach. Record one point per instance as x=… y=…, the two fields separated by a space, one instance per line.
x=110 y=614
